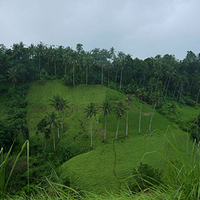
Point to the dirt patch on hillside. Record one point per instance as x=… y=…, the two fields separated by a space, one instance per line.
x=147 y=114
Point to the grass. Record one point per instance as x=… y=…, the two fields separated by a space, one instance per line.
x=109 y=164
x=75 y=123
x=106 y=169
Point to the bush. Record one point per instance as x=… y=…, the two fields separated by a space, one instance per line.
x=145 y=177
x=190 y=102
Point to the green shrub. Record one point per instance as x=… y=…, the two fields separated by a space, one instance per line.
x=145 y=177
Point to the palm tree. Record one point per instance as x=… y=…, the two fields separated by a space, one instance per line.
x=128 y=101
x=121 y=57
x=107 y=109
x=119 y=111
x=140 y=95
x=13 y=75
x=63 y=105
x=73 y=61
x=56 y=102
x=52 y=120
x=90 y=111
x=155 y=99
x=40 y=50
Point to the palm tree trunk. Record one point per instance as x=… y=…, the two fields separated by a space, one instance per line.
x=86 y=78
x=58 y=127
x=105 y=129
x=127 y=123
x=140 y=116
x=152 y=117
x=108 y=77
x=116 y=74
x=175 y=90
x=62 y=122
x=198 y=96
x=55 y=68
x=54 y=143
x=73 y=75
x=117 y=129
x=121 y=79
x=65 y=69
x=39 y=64
x=102 y=75
x=167 y=87
x=91 y=130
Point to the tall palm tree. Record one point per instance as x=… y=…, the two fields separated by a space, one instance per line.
x=107 y=109
x=63 y=105
x=128 y=101
x=90 y=111
x=40 y=51
x=13 y=75
x=140 y=95
x=155 y=98
x=52 y=121
x=56 y=102
x=121 y=57
x=119 y=111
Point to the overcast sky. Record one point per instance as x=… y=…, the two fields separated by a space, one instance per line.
x=142 y=28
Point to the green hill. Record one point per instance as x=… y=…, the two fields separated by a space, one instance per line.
x=109 y=165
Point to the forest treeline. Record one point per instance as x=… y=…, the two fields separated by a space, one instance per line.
x=170 y=77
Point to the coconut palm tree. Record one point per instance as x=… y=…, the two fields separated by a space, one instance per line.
x=107 y=109
x=56 y=102
x=141 y=93
x=63 y=105
x=128 y=101
x=121 y=57
x=155 y=98
x=13 y=75
x=119 y=111
x=52 y=121
x=90 y=111
x=40 y=51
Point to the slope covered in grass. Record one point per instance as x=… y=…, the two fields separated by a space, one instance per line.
x=76 y=126
x=109 y=165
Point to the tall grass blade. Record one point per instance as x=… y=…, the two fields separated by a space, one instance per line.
x=19 y=154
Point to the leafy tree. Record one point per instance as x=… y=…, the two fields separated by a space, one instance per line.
x=119 y=112
x=107 y=109
x=90 y=111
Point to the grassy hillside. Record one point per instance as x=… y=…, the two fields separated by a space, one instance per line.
x=108 y=167
x=76 y=126
x=109 y=164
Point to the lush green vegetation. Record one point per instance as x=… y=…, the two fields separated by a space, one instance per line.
x=100 y=125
